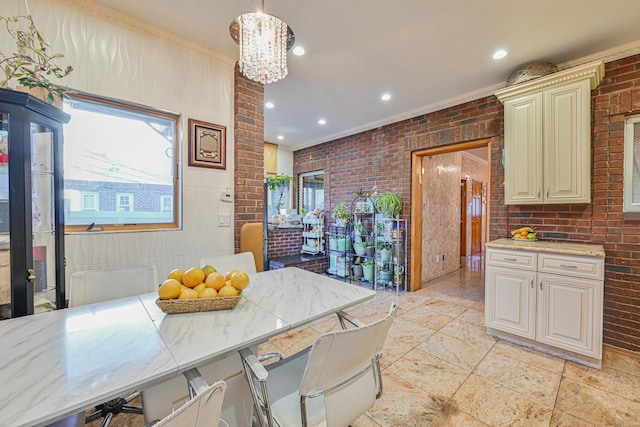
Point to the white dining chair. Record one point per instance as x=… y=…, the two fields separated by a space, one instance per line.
x=243 y=261
x=93 y=286
x=203 y=407
x=330 y=384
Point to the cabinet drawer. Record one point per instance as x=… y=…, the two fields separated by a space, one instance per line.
x=523 y=260
x=568 y=265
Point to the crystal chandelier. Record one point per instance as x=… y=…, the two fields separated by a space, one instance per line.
x=264 y=40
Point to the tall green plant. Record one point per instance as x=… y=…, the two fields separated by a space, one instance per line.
x=31 y=65
x=278 y=183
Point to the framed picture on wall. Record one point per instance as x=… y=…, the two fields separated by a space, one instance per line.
x=207 y=145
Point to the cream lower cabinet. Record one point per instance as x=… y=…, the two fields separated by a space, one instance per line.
x=552 y=299
x=547 y=137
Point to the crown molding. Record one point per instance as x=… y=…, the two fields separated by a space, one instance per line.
x=594 y=71
x=122 y=20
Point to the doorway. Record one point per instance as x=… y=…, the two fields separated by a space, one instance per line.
x=425 y=169
x=476 y=217
x=463 y=218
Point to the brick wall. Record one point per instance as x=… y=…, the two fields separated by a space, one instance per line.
x=284 y=242
x=382 y=157
x=248 y=151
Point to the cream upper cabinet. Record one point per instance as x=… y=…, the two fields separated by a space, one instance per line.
x=547 y=137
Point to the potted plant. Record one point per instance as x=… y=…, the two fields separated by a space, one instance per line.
x=31 y=65
x=368 y=250
x=359 y=230
x=388 y=204
x=278 y=183
x=359 y=248
x=341 y=213
x=367 y=270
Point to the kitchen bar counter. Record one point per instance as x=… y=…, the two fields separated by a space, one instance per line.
x=578 y=249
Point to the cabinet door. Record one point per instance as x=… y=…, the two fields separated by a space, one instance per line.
x=567 y=143
x=523 y=150
x=510 y=301
x=570 y=313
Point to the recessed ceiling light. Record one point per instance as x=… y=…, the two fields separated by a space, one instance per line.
x=499 y=54
x=385 y=97
x=269 y=105
x=322 y=122
x=280 y=137
x=298 y=50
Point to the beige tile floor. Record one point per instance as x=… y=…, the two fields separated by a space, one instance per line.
x=440 y=368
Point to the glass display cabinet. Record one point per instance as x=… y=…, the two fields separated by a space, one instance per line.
x=31 y=205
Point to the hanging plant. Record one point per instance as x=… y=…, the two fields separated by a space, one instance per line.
x=31 y=65
x=389 y=204
x=278 y=183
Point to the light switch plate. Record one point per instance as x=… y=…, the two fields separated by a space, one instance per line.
x=224 y=220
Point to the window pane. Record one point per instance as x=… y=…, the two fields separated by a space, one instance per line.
x=119 y=165
x=635 y=165
x=312 y=191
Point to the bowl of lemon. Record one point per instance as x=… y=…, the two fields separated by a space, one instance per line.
x=201 y=289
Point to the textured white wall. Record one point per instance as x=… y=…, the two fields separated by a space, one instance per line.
x=116 y=57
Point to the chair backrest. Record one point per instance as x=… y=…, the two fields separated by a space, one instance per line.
x=243 y=261
x=252 y=240
x=201 y=411
x=341 y=368
x=91 y=286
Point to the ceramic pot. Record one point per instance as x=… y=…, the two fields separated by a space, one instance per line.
x=367 y=271
x=385 y=276
x=357 y=270
x=359 y=248
x=369 y=251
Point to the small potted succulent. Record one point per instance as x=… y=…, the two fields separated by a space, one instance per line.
x=31 y=65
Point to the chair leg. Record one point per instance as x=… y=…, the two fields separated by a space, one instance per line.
x=113 y=407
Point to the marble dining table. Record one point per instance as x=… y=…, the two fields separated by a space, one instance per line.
x=58 y=363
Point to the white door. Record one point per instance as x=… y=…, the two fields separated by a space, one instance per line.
x=568 y=313
x=510 y=301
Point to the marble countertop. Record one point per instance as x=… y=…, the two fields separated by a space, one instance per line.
x=579 y=249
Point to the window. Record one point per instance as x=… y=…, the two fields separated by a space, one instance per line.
x=632 y=164
x=166 y=203
x=278 y=199
x=124 y=202
x=119 y=153
x=312 y=191
x=89 y=201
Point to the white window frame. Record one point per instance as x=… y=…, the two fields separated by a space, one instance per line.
x=96 y=205
x=630 y=158
x=125 y=195
x=163 y=200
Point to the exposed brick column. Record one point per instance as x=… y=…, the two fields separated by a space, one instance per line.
x=248 y=152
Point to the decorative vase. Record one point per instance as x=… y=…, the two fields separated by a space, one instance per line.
x=369 y=251
x=333 y=244
x=342 y=244
x=385 y=254
x=359 y=248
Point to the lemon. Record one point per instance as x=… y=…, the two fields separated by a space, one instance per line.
x=208 y=293
x=188 y=294
x=215 y=281
x=208 y=269
x=239 y=280
x=176 y=274
x=230 y=273
x=228 y=291
x=200 y=288
x=169 y=289
x=192 y=277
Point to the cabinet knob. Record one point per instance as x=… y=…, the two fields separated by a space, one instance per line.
x=31 y=277
x=540 y=284
x=531 y=283
x=538 y=193
x=547 y=193
x=568 y=266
